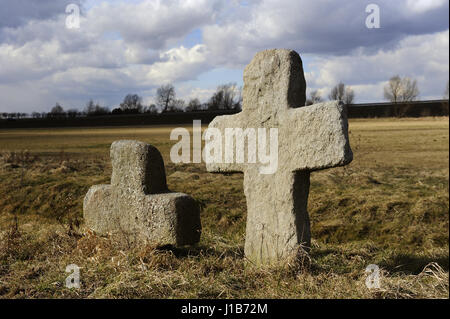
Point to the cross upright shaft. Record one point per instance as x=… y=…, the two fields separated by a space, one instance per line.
x=310 y=138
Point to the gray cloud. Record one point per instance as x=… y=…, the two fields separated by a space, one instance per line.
x=319 y=27
x=422 y=57
x=18 y=12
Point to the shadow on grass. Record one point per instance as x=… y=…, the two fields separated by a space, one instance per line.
x=406 y=263
x=411 y=264
x=325 y=260
x=204 y=251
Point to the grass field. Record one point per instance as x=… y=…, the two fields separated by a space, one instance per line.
x=389 y=207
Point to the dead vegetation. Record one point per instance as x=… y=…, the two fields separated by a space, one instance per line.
x=389 y=208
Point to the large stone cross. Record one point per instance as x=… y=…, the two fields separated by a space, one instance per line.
x=310 y=138
x=138 y=204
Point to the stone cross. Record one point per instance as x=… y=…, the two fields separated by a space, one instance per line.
x=138 y=203
x=310 y=138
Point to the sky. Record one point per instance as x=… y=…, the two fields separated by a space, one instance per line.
x=135 y=46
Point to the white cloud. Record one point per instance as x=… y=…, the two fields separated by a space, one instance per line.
x=151 y=23
x=188 y=92
x=179 y=64
x=424 y=5
x=423 y=57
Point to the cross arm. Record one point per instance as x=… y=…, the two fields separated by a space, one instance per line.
x=315 y=137
x=221 y=123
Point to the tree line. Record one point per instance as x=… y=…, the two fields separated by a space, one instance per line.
x=397 y=90
x=226 y=97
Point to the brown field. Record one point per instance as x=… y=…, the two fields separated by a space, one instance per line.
x=389 y=207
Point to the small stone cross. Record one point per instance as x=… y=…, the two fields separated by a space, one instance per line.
x=138 y=203
x=310 y=138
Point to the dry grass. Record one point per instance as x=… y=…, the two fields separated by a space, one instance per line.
x=389 y=208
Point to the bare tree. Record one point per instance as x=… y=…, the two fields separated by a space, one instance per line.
x=215 y=102
x=337 y=92
x=96 y=109
x=36 y=115
x=193 y=105
x=314 y=97
x=90 y=107
x=349 y=96
x=226 y=97
x=72 y=113
x=410 y=91
x=165 y=96
x=393 y=89
x=132 y=102
x=176 y=106
x=57 y=111
x=342 y=94
x=151 y=109
x=401 y=90
x=229 y=95
x=239 y=100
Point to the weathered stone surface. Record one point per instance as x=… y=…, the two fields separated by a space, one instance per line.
x=310 y=138
x=138 y=203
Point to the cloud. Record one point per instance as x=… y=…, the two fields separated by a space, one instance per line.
x=135 y=46
x=424 y=5
x=318 y=27
x=180 y=64
x=18 y=12
x=39 y=48
x=152 y=23
x=188 y=92
x=423 y=57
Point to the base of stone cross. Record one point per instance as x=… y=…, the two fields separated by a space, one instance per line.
x=138 y=204
x=278 y=227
